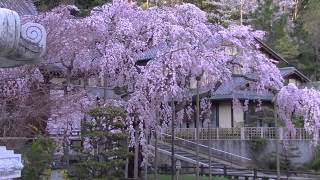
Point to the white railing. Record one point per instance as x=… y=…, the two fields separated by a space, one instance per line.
x=245 y=133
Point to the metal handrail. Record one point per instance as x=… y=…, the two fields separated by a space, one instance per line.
x=179 y=156
x=218 y=150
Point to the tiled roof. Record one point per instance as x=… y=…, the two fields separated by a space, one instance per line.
x=231 y=89
x=286 y=71
x=22 y=7
x=148 y=54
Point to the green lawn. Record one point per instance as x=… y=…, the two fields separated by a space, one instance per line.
x=186 y=177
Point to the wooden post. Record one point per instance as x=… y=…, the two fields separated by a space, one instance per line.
x=156 y=157
x=210 y=144
x=173 y=166
x=178 y=167
x=225 y=171
x=254 y=173
x=136 y=154
x=300 y=133
x=127 y=160
x=104 y=88
x=146 y=168
x=280 y=133
x=242 y=135
x=156 y=146
x=241 y=12
x=217 y=132
x=277 y=136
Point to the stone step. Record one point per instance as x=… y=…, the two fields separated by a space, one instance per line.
x=6 y=152
x=10 y=164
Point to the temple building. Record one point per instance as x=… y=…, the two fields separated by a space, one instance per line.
x=222 y=114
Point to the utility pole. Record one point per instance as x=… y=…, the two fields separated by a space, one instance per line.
x=277 y=136
x=173 y=165
x=146 y=163
x=210 y=143
x=156 y=157
x=197 y=124
x=127 y=160
x=241 y=12
x=104 y=87
x=156 y=148
x=136 y=153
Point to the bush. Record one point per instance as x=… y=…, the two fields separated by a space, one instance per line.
x=315 y=163
x=37 y=157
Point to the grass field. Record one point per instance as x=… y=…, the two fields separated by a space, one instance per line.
x=185 y=177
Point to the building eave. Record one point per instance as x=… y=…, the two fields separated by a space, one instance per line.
x=270 y=51
x=296 y=72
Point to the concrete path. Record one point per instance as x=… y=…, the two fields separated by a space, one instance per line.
x=56 y=175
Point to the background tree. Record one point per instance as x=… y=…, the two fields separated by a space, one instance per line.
x=274 y=18
x=311 y=19
x=288 y=32
x=226 y=11
x=21 y=90
x=85 y=6
x=104 y=144
x=45 y=5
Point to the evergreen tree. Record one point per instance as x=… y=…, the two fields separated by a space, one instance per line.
x=37 y=157
x=87 y=5
x=279 y=38
x=263 y=15
x=45 y=5
x=104 y=151
x=277 y=24
x=311 y=24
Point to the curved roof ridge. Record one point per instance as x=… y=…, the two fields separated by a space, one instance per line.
x=22 y=7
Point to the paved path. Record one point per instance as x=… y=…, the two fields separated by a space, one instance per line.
x=56 y=175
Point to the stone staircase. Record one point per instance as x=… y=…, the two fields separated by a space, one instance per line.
x=188 y=156
x=10 y=164
x=220 y=165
